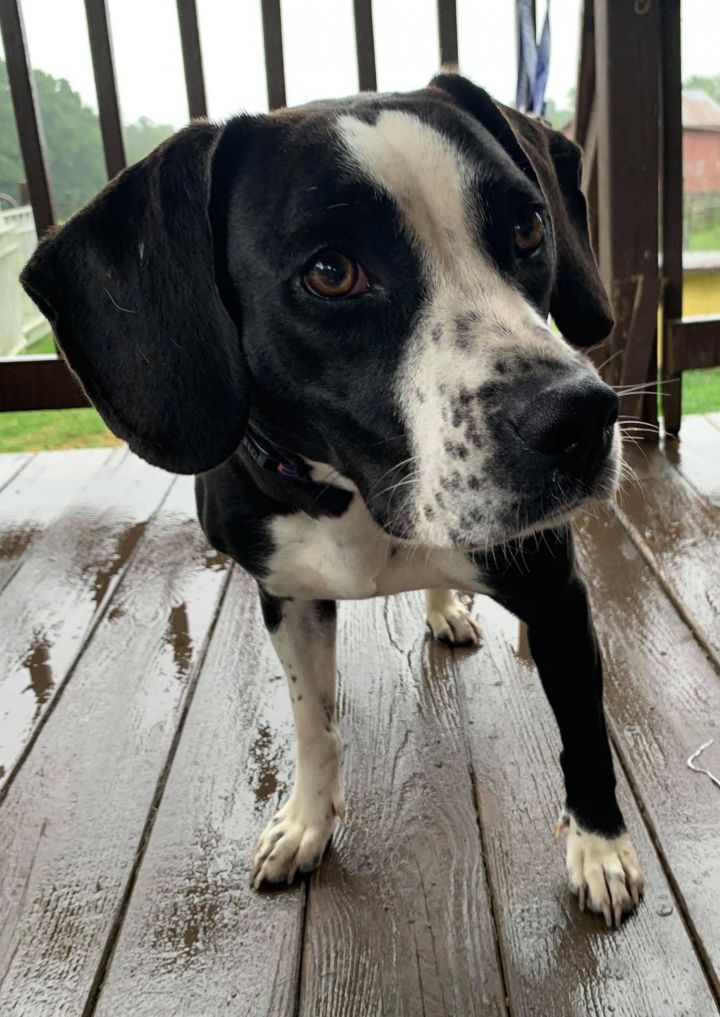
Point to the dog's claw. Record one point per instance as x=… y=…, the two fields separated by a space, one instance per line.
x=604 y=872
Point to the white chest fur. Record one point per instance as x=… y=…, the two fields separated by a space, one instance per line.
x=350 y=558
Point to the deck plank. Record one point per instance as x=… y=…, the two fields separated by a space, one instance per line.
x=663 y=702
x=678 y=535
x=557 y=960
x=10 y=465
x=696 y=455
x=74 y=818
x=64 y=577
x=399 y=918
x=196 y=939
x=36 y=494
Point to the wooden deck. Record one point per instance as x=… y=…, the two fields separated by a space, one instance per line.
x=145 y=738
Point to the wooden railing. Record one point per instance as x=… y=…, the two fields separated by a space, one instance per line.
x=45 y=382
x=628 y=120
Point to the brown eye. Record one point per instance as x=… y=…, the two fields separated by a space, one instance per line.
x=332 y=275
x=529 y=232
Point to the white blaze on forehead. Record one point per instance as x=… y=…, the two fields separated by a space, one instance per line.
x=420 y=169
x=472 y=318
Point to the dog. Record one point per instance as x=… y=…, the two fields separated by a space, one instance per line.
x=335 y=316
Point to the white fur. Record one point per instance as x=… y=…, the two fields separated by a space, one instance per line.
x=604 y=872
x=433 y=184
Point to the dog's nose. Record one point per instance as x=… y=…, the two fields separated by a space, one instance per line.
x=570 y=420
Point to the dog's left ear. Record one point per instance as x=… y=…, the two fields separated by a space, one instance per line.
x=579 y=303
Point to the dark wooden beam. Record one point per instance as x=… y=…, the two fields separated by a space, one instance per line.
x=671 y=219
x=585 y=88
x=192 y=58
x=365 y=45
x=691 y=344
x=274 y=60
x=627 y=58
x=27 y=119
x=448 y=33
x=105 y=85
x=38 y=383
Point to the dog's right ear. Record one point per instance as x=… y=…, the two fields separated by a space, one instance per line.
x=129 y=287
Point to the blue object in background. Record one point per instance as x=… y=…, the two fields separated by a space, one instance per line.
x=533 y=59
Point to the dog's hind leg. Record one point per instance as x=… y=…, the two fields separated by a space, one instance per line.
x=303 y=634
x=449 y=619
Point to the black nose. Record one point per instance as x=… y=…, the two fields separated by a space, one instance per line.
x=571 y=420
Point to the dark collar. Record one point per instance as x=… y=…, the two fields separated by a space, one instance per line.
x=265 y=454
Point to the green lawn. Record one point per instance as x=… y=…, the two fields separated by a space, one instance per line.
x=45 y=429
x=707 y=239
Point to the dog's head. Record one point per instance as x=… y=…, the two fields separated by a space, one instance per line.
x=370 y=279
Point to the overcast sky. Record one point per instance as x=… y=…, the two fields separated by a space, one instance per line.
x=319 y=46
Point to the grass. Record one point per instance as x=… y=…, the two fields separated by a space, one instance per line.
x=705 y=239
x=36 y=430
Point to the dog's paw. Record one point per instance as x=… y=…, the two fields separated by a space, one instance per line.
x=604 y=872
x=295 y=838
x=451 y=622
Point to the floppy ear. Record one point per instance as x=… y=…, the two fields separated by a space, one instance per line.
x=129 y=287
x=579 y=303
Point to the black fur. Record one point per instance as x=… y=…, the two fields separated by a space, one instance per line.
x=176 y=297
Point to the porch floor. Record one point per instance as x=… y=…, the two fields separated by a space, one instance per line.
x=145 y=739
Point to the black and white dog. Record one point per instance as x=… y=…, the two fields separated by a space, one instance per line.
x=336 y=316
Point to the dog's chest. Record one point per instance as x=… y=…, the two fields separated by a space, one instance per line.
x=350 y=558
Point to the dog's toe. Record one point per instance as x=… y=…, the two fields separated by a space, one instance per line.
x=453 y=623
x=294 y=840
x=604 y=872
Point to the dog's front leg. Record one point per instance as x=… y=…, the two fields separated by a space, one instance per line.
x=303 y=634
x=546 y=591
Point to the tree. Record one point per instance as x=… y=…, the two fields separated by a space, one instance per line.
x=73 y=142
x=711 y=85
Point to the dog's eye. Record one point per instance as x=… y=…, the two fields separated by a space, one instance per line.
x=529 y=232
x=333 y=276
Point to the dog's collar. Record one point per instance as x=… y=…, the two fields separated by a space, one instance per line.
x=265 y=454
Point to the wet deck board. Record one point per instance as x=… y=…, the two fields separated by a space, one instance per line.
x=557 y=960
x=196 y=938
x=399 y=919
x=64 y=575
x=663 y=701
x=129 y=824
x=679 y=536
x=37 y=493
x=11 y=463
x=74 y=818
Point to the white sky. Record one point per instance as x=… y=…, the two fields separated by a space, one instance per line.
x=319 y=47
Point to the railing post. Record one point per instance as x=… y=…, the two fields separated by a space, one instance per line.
x=105 y=86
x=29 y=127
x=672 y=204
x=627 y=40
x=274 y=61
x=365 y=45
x=192 y=58
x=447 y=32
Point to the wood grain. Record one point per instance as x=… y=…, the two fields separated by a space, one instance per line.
x=32 y=497
x=679 y=537
x=10 y=465
x=696 y=455
x=557 y=960
x=63 y=581
x=399 y=918
x=663 y=702
x=73 y=821
x=196 y=939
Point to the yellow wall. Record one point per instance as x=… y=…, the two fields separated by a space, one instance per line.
x=701 y=293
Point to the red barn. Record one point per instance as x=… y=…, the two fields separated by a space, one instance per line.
x=701 y=143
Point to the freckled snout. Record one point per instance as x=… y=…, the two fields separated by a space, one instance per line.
x=570 y=423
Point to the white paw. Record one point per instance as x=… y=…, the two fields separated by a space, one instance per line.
x=451 y=622
x=604 y=872
x=296 y=837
